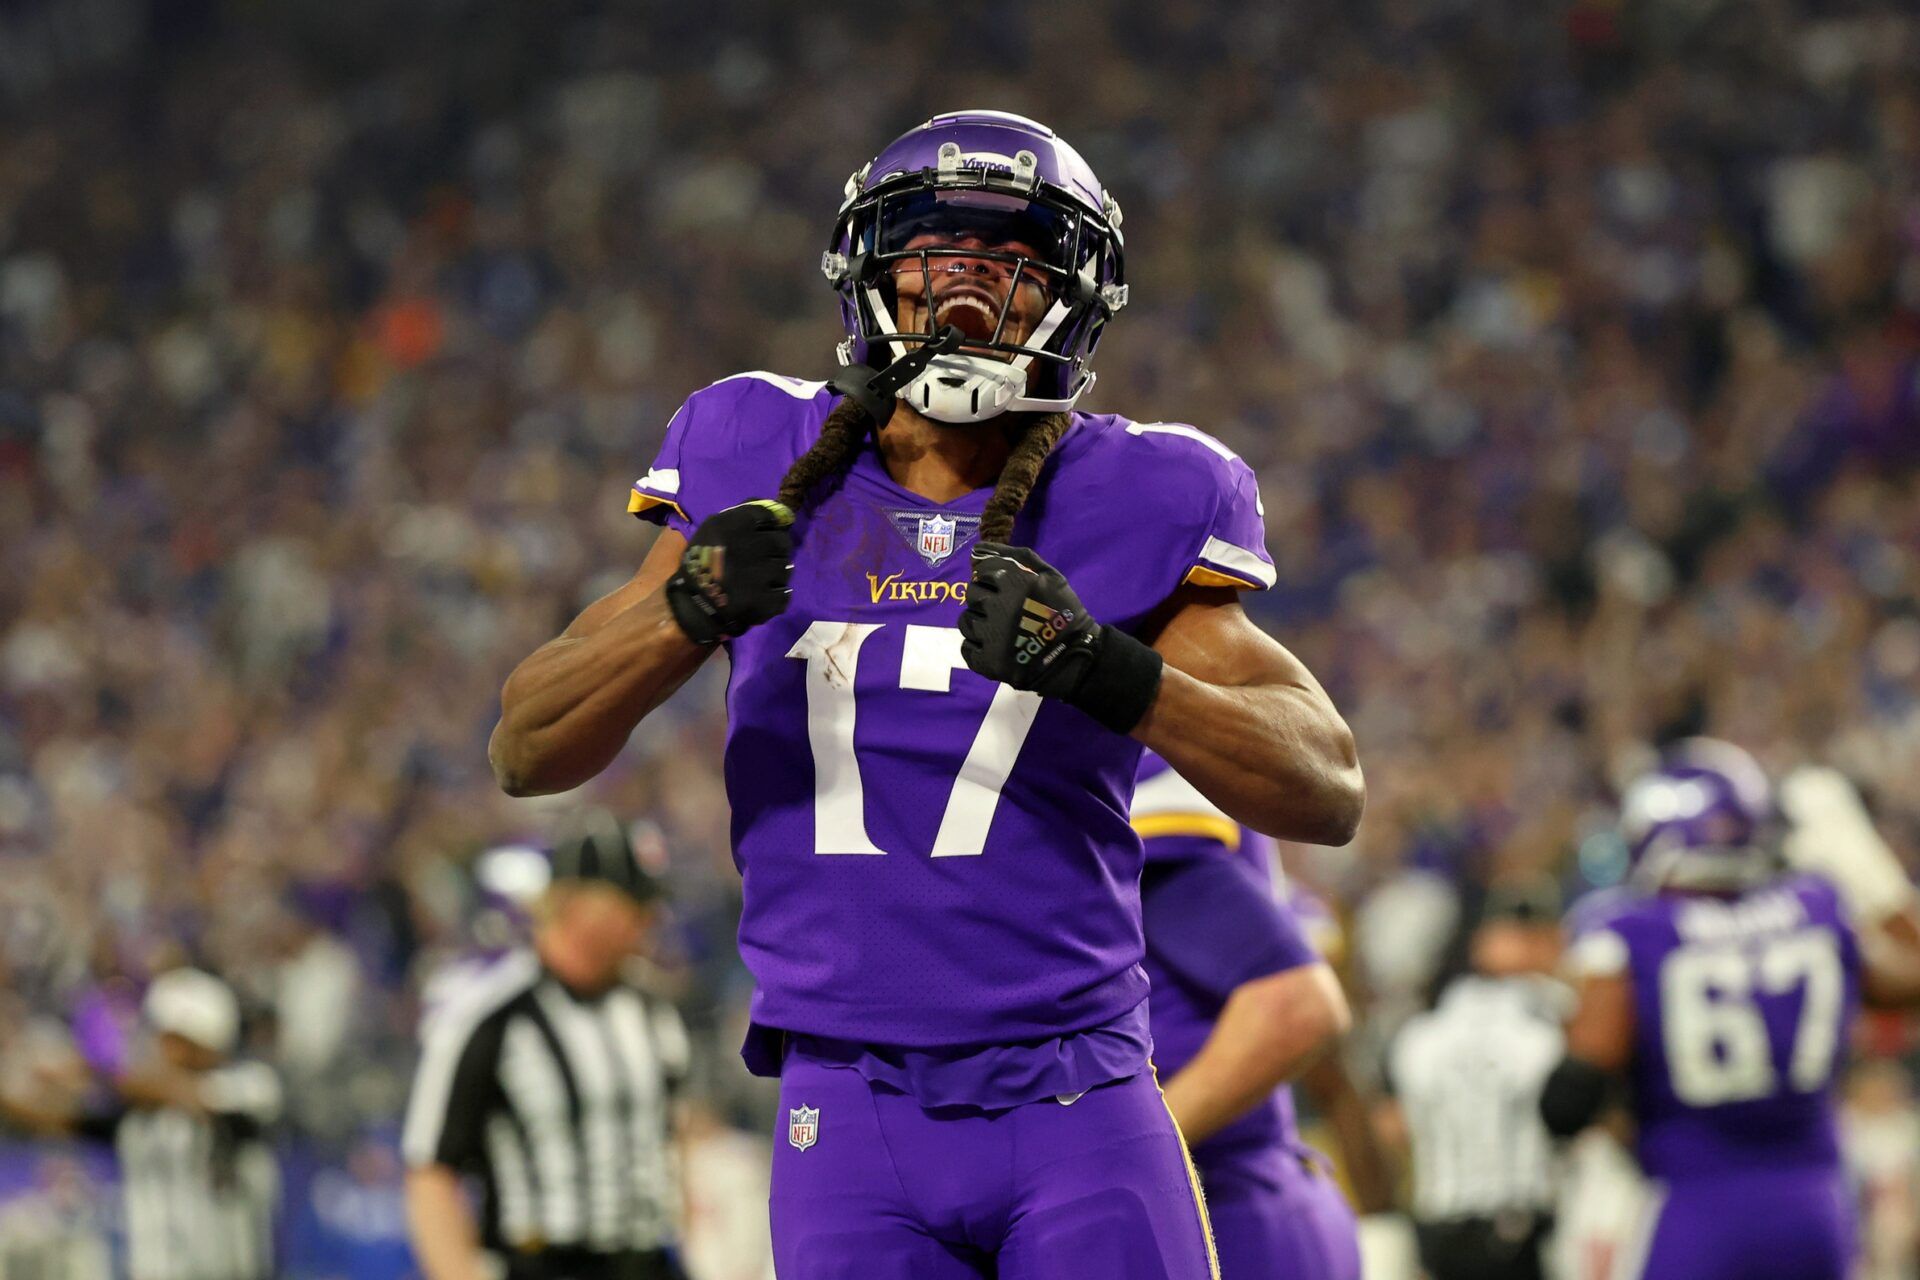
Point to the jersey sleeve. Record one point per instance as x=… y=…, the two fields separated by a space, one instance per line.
x=1318 y=922
x=1825 y=906
x=1215 y=926
x=1173 y=820
x=1215 y=496
x=656 y=496
x=728 y=443
x=1596 y=945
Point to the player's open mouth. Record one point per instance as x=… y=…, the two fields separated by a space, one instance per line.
x=974 y=312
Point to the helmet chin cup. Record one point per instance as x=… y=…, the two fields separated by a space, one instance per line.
x=959 y=389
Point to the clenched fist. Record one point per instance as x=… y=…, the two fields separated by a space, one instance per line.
x=1024 y=626
x=735 y=572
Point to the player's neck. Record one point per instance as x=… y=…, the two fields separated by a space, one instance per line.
x=942 y=461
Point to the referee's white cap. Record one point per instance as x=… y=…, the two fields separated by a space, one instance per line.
x=196 y=1006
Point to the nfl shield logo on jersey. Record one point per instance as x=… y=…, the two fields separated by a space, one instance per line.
x=935 y=535
x=936 y=538
x=803 y=1127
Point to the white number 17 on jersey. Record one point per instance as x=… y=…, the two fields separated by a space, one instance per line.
x=928 y=658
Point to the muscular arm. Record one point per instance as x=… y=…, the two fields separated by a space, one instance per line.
x=153 y=1084
x=569 y=707
x=1270 y=1030
x=1245 y=722
x=441 y=1224
x=37 y=1115
x=1601 y=1031
x=1599 y=1048
x=1890 y=960
x=1369 y=1167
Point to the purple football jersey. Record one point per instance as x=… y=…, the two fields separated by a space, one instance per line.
x=1201 y=946
x=932 y=861
x=1741 y=1009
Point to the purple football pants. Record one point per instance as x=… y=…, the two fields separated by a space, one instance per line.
x=886 y=1190
x=1767 y=1225
x=1293 y=1226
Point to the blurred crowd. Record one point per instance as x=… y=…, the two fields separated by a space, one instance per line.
x=1577 y=346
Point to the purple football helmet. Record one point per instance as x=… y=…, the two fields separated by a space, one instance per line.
x=1700 y=820
x=1020 y=202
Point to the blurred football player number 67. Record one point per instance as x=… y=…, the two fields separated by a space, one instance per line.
x=955 y=608
x=1720 y=988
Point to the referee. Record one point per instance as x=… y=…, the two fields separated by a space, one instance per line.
x=189 y=1123
x=548 y=1078
x=1467 y=1077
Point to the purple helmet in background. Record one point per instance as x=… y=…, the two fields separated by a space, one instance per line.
x=1700 y=820
x=997 y=180
x=508 y=879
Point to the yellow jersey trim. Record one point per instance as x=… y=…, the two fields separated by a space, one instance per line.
x=1201 y=576
x=1210 y=825
x=1330 y=940
x=638 y=502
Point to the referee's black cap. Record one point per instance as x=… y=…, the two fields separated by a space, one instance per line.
x=595 y=845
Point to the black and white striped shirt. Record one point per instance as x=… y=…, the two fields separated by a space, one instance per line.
x=202 y=1190
x=560 y=1105
x=1468 y=1075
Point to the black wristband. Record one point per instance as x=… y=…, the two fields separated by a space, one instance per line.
x=1573 y=1096
x=1121 y=683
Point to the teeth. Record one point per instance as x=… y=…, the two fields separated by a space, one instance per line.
x=964 y=300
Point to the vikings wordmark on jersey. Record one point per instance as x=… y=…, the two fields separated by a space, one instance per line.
x=898 y=820
x=899 y=589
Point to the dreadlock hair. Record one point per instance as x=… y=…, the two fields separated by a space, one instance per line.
x=1010 y=493
x=841 y=435
x=848 y=426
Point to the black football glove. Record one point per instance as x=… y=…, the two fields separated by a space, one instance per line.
x=1024 y=626
x=735 y=572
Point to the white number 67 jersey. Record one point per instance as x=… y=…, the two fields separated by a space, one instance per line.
x=1741 y=1009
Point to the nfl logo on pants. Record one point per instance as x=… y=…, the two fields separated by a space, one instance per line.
x=803 y=1127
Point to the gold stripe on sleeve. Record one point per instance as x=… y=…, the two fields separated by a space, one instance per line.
x=638 y=502
x=1210 y=825
x=1201 y=576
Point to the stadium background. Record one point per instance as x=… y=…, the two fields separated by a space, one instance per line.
x=1574 y=342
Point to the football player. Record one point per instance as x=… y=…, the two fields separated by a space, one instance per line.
x=1719 y=985
x=955 y=608
x=1242 y=1003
